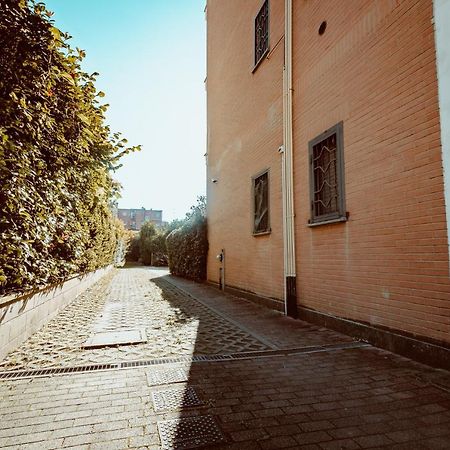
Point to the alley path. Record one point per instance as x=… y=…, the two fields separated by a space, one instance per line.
x=146 y=360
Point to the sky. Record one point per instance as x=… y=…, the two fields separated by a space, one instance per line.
x=151 y=58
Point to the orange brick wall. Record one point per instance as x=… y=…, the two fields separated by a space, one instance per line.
x=244 y=134
x=374 y=69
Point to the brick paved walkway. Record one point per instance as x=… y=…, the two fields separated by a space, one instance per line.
x=322 y=395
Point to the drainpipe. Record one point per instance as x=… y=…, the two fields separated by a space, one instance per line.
x=290 y=295
x=221 y=258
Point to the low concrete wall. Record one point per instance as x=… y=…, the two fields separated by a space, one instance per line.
x=23 y=315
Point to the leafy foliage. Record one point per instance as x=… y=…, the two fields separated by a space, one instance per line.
x=149 y=246
x=134 y=251
x=124 y=239
x=56 y=155
x=187 y=245
x=152 y=244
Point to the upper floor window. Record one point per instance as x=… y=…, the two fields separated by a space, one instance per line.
x=261 y=203
x=327 y=176
x=262 y=32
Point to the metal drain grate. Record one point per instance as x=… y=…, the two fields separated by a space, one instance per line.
x=175 y=399
x=189 y=432
x=158 y=377
x=32 y=373
x=55 y=371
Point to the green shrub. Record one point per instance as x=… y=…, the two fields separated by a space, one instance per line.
x=134 y=251
x=56 y=155
x=152 y=243
x=187 y=245
x=149 y=246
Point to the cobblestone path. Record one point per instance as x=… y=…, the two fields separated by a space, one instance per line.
x=175 y=324
x=239 y=377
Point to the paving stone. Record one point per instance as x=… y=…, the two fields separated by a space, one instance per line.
x=189 y=432
x=314 y=437
x=340 y=444
x=250 y=435
x=283 y=430
x=168 y=376
x=175 y=399
x=278 y=442
x=49 y=444
x=116 y=444
x=404 y=436
x=374 y=440
x=316 y=425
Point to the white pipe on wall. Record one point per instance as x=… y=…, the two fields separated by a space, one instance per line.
x=287 y=160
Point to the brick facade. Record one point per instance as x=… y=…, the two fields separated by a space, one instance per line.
x=244 y=133
x=133 y=219
x=374 y=68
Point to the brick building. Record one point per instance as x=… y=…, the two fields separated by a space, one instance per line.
x=133 y=219
x=328 y=131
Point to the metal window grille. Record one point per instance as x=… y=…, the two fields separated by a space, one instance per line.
x=262 y=32
x=327 y=175
x=261 y=203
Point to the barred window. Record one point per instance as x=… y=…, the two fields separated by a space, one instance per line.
x=262 y=32
x=261 y=203
x=327 y=176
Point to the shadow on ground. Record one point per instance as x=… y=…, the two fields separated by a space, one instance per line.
x=341 y=398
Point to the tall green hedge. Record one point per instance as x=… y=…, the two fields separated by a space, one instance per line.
x=56 y=155
x=187 y=246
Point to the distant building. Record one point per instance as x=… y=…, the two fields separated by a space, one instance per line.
x=133 y=219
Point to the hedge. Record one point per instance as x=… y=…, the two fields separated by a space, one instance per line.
x=56 y=155
x=187 y=246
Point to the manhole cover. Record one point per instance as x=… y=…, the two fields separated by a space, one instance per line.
x=174 y=399
x=157 y=377
x=111 y=338
x=189 y=432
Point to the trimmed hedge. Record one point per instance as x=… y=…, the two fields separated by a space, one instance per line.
x=56 y=155
x=187 y=246
x=149 y=246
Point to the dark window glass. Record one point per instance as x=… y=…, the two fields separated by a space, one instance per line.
x=327 y=176
x=262 y=32
x=261 y=203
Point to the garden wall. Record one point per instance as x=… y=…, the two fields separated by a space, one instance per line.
x=22 y=315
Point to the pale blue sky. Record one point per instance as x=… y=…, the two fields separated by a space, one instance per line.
x=151 y=58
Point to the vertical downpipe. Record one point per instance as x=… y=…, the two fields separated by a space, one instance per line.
x=223 y=270
x=221 y=258
x=290 y=294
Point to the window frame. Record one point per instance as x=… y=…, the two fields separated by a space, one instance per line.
x=341 y=215
x=268 y=230
x=256 y=63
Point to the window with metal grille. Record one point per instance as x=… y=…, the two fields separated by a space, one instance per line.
x=261 y=203
x=262 y=32
x=327 y=176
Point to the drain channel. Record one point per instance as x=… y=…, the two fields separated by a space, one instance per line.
x=33 y=373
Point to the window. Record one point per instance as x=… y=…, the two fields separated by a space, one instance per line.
x=261 y=203
x=327 y=176
x=262 y=32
